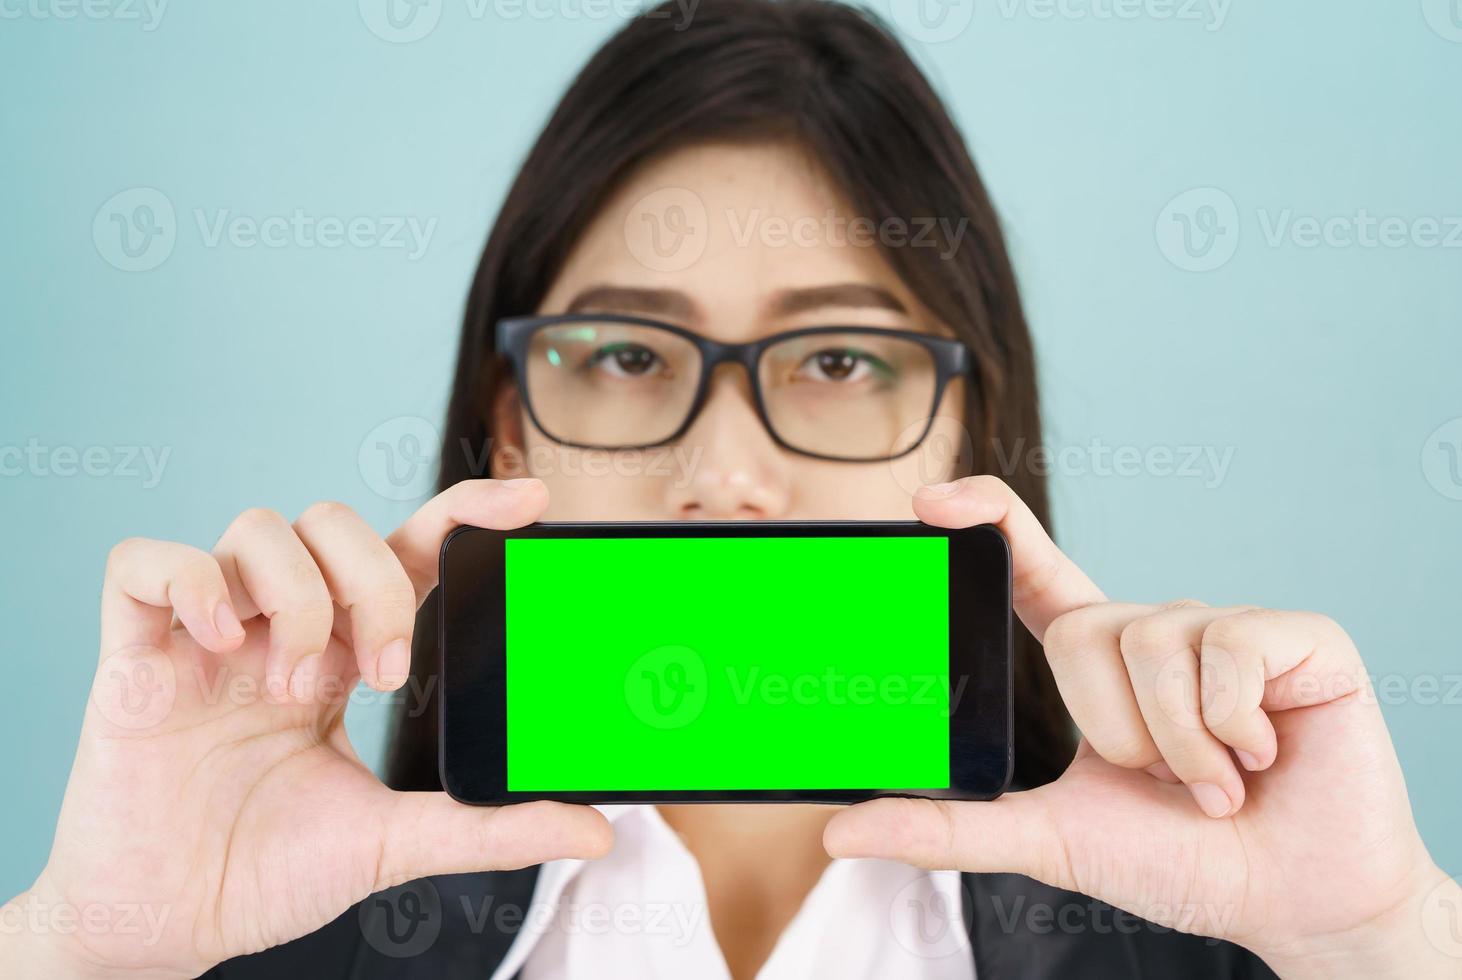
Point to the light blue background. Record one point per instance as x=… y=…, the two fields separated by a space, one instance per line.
x=263 y=370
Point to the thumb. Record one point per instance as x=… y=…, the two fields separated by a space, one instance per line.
x=432 y=834
x=1012 y=834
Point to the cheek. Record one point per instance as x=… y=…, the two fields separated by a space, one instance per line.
x=850 y=491
x=884 y=491
x=597 y=485
x=942 y=456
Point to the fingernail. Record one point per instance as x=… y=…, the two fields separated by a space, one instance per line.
x=1247 y=760
x=1163 y=771
x=226 y=621
x=936 y=490
x=1211 y=800
x=393 y=665
x=522 y=483
x=306 y=673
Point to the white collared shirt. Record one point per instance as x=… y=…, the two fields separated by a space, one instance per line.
x=641 y=912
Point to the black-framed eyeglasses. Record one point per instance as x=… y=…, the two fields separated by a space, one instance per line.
x=850 y=394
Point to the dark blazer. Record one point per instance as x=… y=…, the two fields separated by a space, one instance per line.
x=459 y=927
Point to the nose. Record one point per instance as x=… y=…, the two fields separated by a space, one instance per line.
x=737 y=470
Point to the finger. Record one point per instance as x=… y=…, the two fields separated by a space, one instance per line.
x=1084 y=650
x=1044 y=582
x=147 y=582
x=1161 y=651
x=280 y=576
x=480 y=503
x=366 y=579
x=1014 y=834
x=1306 y=658
x=1232 y=675
x=432 y=834
x=243 y=603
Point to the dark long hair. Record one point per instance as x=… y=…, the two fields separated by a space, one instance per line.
x=835 y=80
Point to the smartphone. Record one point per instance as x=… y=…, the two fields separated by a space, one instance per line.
x=745 y=661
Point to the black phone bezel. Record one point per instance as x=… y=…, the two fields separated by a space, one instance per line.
x=472 y=756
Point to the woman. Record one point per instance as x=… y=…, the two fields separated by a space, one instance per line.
x=770 y=167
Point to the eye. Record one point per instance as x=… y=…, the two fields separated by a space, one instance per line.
x=625 y=360
x=842 y=366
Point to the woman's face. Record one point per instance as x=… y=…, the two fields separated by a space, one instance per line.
x=734 y=242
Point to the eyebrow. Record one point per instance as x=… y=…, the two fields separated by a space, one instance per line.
x=850 y=294
x=677 y=305
x=629 y=299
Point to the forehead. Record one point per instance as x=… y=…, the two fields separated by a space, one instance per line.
x=730 y=224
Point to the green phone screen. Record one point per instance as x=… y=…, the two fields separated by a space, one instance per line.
x=646 y=664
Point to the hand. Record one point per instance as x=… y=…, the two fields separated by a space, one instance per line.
x=214 y=787
x=1234 y=779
